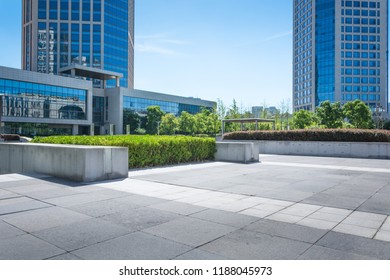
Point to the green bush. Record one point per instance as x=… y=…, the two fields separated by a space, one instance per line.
x=147 y=151
x=340 y=135
x=10 y=137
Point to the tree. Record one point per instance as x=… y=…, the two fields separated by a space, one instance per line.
x=221 y=109
x=330 y=114
x=169 y=124
x=386 y=125
x=153 y=116
x=304 y=119
x=187 y=123
x=207 y=122
x=358 y=114
x=131 y=118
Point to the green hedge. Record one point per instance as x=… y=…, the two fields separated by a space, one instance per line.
x=147 y=150
x=338 y=135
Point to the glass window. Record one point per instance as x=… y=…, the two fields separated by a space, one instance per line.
x=75 y=9
x=42 y=9
x=64 y=9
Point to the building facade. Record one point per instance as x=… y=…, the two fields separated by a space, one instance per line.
x=340 y=52
x=93 y=33
x=39 y=104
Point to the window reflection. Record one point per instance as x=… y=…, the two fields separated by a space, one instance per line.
x=31 y=100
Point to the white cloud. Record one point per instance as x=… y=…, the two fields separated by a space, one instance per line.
x=277 y=36
x=158 y=44
x=149 y=48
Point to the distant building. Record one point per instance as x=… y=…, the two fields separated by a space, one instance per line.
x=260 y=111
x=43 y=104
x=93 y=33
x=257 y=111
x=340 y=52
x=272 y=111
x=79 y=57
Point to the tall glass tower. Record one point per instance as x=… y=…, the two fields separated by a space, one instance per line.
x=94 y=33
x=340 y=52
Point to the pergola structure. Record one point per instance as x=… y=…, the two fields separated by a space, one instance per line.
x=251 y=120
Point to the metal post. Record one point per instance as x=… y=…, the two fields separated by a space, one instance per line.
x=223 y=127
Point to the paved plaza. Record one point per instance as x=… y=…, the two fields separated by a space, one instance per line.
x=282 y=208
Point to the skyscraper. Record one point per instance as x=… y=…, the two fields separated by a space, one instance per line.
x=340 y=52
x=94 y=33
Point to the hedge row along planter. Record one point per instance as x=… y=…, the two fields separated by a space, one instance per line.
x=147 y=150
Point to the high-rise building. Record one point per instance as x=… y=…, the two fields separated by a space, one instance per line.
x=340 y=52
x=93 y=33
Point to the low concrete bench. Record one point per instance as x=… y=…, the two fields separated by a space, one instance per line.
x=374 y=150
x=242 y=152
x=76 y=163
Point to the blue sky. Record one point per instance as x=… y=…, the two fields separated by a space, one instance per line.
x=211 y=49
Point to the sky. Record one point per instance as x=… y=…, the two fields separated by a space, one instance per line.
x=209 y=49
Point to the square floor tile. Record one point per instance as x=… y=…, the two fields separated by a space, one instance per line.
x=135 y=246
x=285 y=218
x=7 y=231
x=327 y=217
x=246 y=245
x=237 y=220
x=386 y=224
x=178 y=207
x=190 y=231
x=335 y=211
x=197 y=254
x=367 y=220
x=356 y=244
x=355 y=230
x=27 y=247
x=141 y=218
x=316 y=223
x=383 y=235
x=269 y=207
x=44 y=218
x=20 y=204
x=256 y=213
x=323 y=253
x=287 y=230
x=81 y=234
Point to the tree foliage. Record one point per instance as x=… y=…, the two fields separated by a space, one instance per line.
x=169 y=124
x=330 y=114
x=131 y=118
x=304 y=119
x=154 y=115
x=187 y=124
x=358 y=114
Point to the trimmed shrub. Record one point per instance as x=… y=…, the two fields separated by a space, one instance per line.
x=147 y=151
x=337 y=135
x=10 y=137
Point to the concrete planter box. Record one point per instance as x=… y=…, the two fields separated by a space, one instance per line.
x=326 y=149
x=76 y=163
x=242 y=152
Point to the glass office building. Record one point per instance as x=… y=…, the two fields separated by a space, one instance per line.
x=340 y=52
x=93 y=33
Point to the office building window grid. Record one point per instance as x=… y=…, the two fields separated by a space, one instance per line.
x=33 y=100
x=140 y=105
x=340 y=52
x=70 y=31
x=360 y=52
x=303 y=54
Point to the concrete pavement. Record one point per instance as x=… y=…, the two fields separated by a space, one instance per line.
x=282 y=208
